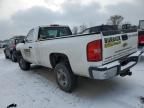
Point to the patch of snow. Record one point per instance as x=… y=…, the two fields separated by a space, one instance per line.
x=37 y=89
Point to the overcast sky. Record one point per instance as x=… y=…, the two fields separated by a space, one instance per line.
x=18 y=16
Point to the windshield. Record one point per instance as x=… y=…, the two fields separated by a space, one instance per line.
x=19 y=40
x=52 y=32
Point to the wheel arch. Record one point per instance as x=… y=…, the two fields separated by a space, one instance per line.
x=55 y=58
x=18 y=53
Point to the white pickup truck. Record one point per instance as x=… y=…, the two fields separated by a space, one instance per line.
x=96 y=53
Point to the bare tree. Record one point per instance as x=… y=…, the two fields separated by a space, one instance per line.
x=116 y=20
x=75 y=30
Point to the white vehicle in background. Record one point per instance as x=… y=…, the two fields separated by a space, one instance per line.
x=96 y=53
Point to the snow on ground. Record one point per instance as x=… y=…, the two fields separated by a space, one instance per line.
x=37 y=89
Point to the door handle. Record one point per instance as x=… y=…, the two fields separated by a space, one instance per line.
x=30 y=47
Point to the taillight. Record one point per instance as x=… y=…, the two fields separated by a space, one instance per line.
x=141 y=39
x=94 y=51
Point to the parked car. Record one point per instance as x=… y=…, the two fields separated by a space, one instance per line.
x=96 y=55
x=10 y=49
x=4 y=43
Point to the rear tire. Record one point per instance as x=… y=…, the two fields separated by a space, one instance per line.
x=24 y=65
x=13 y=57
x=65 y=78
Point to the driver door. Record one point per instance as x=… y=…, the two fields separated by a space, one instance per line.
x=29 y=49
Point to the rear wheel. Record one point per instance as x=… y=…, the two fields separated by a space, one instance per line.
x=13 y=57
x=24 y=65
x=65 y=78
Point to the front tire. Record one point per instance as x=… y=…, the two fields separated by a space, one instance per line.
x=65 y=78
x=24 y=65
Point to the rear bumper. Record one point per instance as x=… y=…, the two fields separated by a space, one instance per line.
x=115 y=68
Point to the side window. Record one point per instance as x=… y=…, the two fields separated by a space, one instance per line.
x=30 y=36
x=46 y=32
x=16 y=41
x=11 y=43
x=64 y=31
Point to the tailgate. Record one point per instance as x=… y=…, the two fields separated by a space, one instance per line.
x=119 y=46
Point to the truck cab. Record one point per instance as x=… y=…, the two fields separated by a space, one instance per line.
x=38 y=35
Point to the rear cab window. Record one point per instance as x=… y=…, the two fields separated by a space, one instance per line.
x=53 y=32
